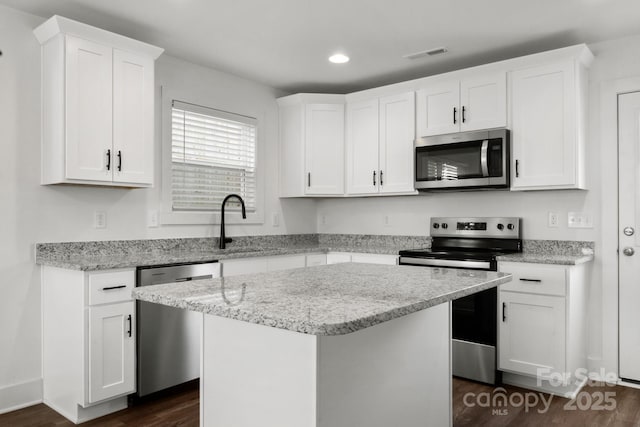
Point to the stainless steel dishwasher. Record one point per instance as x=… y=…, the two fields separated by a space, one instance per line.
x=168 y=346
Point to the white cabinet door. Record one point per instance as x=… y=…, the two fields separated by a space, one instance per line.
x=324 y=148
x=316 y=259
x=133 y=117
x=397 y=134
x=286 y=262
x=88 y=110
x=483 y=102
x=531 y=333
x=338 y=257
x=375 y=259
x=111 y=350
x=235 y=267
x=362 y=147
x=438 y=109
x=544 y=130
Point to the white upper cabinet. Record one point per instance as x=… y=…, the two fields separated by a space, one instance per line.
x=380 y=135
x=483 y=102
x=311 y=149
x=324 y=149
x=362 y=147
x=548 y=113
x=477 y=101
x=97 y=106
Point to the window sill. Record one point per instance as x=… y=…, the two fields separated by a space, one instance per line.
x=208 y=218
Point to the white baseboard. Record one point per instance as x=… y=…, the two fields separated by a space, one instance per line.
x=569 y=391
x=18 y=396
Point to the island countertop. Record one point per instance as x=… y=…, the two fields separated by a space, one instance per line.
x=332 y=299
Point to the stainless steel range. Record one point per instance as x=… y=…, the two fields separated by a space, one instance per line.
x=471 y=243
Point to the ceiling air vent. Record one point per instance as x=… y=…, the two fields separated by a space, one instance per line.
x=424 y=53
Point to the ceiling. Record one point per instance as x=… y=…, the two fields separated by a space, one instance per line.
x=285 y=43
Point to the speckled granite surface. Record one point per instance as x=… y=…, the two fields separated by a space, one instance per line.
x=324 y=300
x=103 y=255
x=564 y=252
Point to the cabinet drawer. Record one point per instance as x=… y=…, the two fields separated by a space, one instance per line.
x=535 y=278
x=111 y=286
x=316 y=259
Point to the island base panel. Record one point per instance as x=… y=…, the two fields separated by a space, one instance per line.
x=394 y=373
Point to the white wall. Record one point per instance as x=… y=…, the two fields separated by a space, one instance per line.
x=30 y=213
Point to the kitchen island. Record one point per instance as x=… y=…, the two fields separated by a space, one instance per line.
x=333 y=345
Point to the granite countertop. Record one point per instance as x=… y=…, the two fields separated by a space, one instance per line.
x=324 y=300
x=80 y=261
x=541 y=258
x=103 y=255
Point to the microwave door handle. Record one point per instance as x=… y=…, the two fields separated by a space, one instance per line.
x=484 y=161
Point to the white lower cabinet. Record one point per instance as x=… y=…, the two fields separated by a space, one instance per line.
x=542 y=327
x=112 y=350
x=342 y=257
x=89 y=341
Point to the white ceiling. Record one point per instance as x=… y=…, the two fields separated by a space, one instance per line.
x=285 y=43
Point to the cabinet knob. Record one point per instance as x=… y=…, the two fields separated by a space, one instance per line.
x=628 y=251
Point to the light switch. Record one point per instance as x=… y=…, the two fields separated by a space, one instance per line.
x=275 y=219
x=579 y=220
x=100 y=219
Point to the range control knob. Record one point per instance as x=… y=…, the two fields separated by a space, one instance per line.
x=500 y=227
x=436 y=225
x=445 y=225
x=511 y=226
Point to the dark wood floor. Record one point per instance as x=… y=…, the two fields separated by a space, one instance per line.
x=621 y=408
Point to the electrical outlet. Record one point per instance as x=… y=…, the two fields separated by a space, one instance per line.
x=100 y=219
x=579 y=220
x=152 y=218
x=554 y=219
x=275 y=219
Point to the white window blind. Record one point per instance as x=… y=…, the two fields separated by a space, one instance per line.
x=213 y=154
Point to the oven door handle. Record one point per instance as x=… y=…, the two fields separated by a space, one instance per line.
x=431 y=262
x=484 y=158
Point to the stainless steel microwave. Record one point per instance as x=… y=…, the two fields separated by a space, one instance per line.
x=463 y=161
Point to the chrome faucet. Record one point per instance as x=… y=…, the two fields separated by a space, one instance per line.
x=223 y=239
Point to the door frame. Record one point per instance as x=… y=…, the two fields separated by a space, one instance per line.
x=609 y=92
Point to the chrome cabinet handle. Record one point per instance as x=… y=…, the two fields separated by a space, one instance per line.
x=628 y=251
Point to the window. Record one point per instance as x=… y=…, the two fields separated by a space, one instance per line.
x=213 y=154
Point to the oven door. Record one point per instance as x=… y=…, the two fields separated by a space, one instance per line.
x=441 y=163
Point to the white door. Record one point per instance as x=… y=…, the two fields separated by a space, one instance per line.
x=483 y=102
x=544 y=131
x=112 y=350
x=88 y=109
x=629 y=237
x=531 y=333
x=397 y=133
x=438 y=110
x=324 y=148
x=133 y=118
x=362 y=147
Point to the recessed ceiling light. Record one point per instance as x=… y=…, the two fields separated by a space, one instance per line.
x=339 y=58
